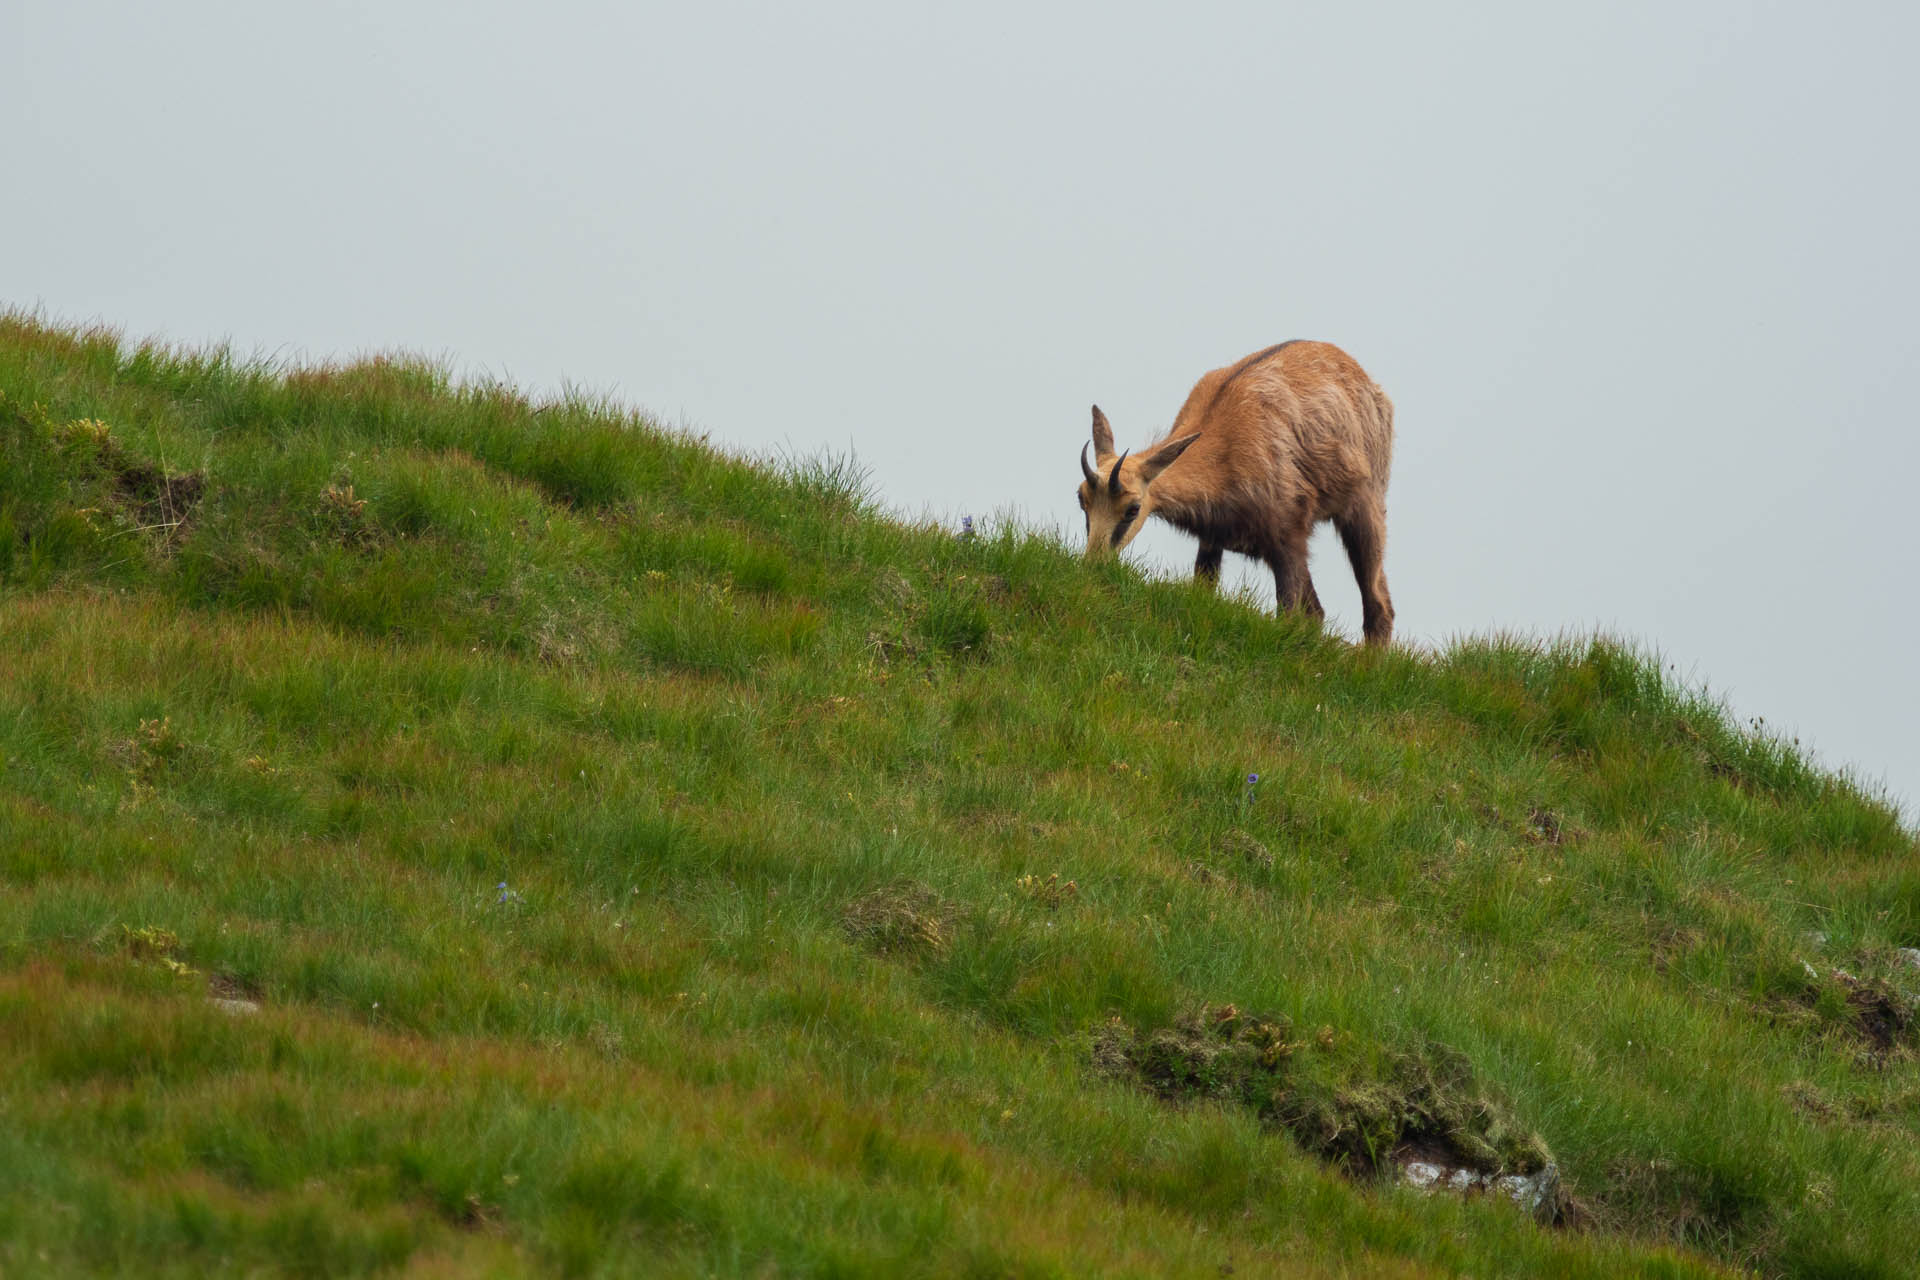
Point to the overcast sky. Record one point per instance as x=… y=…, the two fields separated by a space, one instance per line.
x=1642 y=280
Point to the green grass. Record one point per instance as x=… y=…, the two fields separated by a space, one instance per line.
x=648 y=860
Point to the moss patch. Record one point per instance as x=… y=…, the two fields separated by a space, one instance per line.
x=1357 y=1105
x=905 y=918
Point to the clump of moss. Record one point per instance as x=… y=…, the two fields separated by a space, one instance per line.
x=902 y=918
x=1423 y=1102
x=1355 y=1105
x=1214 y=1052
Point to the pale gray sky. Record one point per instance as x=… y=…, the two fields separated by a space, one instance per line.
x=1641 y=279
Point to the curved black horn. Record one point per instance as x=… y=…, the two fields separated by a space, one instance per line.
x=1113 y=480
x=1093 y=480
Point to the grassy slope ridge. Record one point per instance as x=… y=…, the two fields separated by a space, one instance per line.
x=644 y=858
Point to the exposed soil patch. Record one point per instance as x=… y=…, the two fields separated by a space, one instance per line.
x=1541 y=825
x=474 y=1214
x=162 y=499
x=231 y=995
x=1805 y=1097
x=1725 y=772
x=1672 y=945
x=1544 y=826
x=1882 y=1018
x=1872 y=1013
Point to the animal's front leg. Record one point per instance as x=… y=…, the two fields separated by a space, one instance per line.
x=1292 y=584
x=1206 y=566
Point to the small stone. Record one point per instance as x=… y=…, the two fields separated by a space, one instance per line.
x=238 y=1008
x=1421 y=1174
x=1532 y=1192
x=1910 y=954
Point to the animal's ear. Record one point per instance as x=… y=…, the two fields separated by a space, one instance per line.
x=1162 y=458
x=1102 y=436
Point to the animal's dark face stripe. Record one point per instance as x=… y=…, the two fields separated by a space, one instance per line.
x=1245 y=365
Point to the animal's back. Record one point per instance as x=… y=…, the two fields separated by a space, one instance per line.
x=1297 y=409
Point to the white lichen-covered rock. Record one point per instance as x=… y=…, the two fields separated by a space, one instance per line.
x=1535 y=1193
x=1421 y=1174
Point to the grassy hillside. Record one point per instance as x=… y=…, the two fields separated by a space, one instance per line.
x=447 y=834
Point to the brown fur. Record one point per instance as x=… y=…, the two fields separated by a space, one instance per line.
x=1263 y=450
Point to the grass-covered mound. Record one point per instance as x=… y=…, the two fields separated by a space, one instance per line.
x=449 y=833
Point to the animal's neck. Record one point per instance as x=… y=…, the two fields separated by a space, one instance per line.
x=1180 y=510
x=1174 y=501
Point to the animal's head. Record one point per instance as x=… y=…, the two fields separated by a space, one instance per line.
x=1117 y=495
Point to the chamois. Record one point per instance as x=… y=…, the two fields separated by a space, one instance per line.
x=1263 y=450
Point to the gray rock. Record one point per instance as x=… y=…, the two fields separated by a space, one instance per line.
x=1422 y=1175
x=1537 y=1194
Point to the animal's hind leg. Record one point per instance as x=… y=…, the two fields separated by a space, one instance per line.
x=1365 y=534
x=1206 y=566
